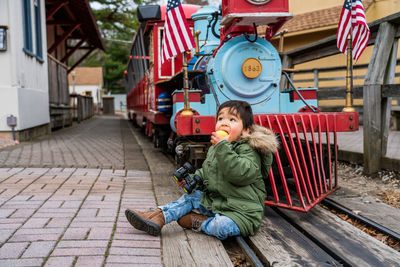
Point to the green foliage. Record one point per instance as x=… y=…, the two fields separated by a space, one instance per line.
x=117 y=22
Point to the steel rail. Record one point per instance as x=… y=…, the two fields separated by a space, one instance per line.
x=249 y=252
x=331 y=203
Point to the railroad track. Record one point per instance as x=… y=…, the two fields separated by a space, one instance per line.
x=389 y=256
x=286 y=238
x=369 y=223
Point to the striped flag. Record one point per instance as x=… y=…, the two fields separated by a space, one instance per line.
x=353 y=18
x=177 y=36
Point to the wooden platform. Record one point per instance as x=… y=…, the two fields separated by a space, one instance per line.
x=368 y=207
x=318 y=238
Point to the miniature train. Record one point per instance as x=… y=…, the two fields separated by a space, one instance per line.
x=233 y=62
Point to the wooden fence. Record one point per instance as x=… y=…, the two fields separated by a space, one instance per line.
x=60 y=110
x=332 y=74
x=82 y=107
x=377 y=90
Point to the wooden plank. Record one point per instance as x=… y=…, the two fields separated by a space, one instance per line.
x=343 y=239
x=372 y=117
x=387 y=101
x=53 y=84
x=324 y=93
x=286 y=64
x=372 y=128
x=380 y=56
x=63 y=84
x=180 y=247
x=369 y=208
x=280 y=244
x=316 y=78
x=391 y=90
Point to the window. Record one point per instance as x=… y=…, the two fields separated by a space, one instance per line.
x=38 y=30
x=37 y=27
x=28 y=46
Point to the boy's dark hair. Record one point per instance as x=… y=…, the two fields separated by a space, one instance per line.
x=241 y=108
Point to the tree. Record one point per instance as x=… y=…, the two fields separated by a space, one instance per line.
x=117 y=23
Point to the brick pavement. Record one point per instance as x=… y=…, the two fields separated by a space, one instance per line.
x=74 y=217
x=96 y=143
x=62 y=199
x=5 y=142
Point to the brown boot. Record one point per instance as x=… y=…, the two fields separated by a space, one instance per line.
x=151 y=222
x=192 y=221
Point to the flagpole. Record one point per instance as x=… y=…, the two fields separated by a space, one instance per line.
x=186 y=108
x=349 y=75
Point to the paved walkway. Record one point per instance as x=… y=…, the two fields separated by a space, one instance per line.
x=63 y=216
x=96 y=143
x=5 y=142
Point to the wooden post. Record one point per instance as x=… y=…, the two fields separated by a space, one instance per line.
x=316 y=78
x=372 y=97
x=387 y=101
x=286 y=64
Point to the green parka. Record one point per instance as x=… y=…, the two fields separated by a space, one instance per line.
x=233 y=178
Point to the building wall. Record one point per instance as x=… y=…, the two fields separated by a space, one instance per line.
x=24 y=78
x=380 y=7
x=377 y=10
x=118 y=100
x=80 y=89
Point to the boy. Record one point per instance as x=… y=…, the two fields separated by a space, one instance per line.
x=231 y=199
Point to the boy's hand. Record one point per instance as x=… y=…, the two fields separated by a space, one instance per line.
x=215 y=138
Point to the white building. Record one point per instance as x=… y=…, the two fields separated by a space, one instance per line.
x=84 y=80
x=24 y=91
x=37 y=37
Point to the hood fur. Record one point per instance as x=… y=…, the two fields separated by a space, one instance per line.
x=262 y=139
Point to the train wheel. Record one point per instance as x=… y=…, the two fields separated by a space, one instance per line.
x=157 y=139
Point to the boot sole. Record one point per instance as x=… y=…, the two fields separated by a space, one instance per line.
x=141 y=224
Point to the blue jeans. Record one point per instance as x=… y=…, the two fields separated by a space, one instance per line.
x=217 y=225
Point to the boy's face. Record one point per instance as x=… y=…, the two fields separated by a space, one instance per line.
x=230 y=122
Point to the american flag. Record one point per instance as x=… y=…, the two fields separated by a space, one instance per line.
x=177 y=35
x=353 y=17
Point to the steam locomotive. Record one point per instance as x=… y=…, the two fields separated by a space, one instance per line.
x=232 y=61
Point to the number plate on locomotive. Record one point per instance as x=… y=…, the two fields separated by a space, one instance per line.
x=251 y=68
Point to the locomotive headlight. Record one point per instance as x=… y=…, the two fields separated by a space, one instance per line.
x=258 y=2
x=251 y=68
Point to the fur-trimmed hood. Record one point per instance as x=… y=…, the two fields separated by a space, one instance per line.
x=262 y=139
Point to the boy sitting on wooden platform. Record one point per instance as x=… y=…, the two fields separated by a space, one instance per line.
x=231 y=199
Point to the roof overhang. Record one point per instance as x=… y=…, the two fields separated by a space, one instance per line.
x=76 y=19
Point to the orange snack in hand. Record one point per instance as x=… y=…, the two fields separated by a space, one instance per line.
x=222 y=133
